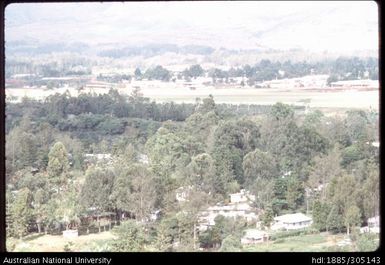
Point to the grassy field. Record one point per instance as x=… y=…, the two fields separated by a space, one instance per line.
x=303 y=243
x=167 y=92
x=97 y=242
x=56 y=243
x=339 y=99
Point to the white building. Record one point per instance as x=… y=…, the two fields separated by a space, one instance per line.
x=373 y=225
x=182 y=193
x=356 y=83
x=143 y=159
x=374 y=221
x=154 y=215
x=309 y=81
x=242 y=196
x=376 y=144
x=254 y=236
x=98 y=158
x=291 y=222
x=70 y=233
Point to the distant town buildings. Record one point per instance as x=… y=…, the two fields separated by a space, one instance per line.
x=98 y=85
x=367 y=83
x=309 y=81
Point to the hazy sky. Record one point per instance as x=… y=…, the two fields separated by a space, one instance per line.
x=313 y=25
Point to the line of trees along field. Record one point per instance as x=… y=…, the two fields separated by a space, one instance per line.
x=342 y=68
x=212 y=148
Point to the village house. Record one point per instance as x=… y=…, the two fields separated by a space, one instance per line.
x=155 y=215
x=318 y=189
x=373 y=225
x=182 y=193
x=291 y=222
x=376 y=144
x=98 y=158
x=242 y=196
x=374 y=221
x=142 y=158
x=254 y=236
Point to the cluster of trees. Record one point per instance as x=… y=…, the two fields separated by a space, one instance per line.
x=340 y=69
x=325 y=166
x=351 y=176
x=193 y=71
x=354 y=68
x=63 y=106
x=44 y=197
x=58 y=68
x=343 y=68
x=91 y=118
x=157 y=73
x=115 y=78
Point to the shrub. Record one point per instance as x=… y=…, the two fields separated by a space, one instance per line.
x=68 y=246
x=231 y=244
x=367 y=242
x=278 y=241
x=285 y=234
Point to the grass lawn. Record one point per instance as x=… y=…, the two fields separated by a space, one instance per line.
x=56 y=243
x=304 y=243
x=99 y=242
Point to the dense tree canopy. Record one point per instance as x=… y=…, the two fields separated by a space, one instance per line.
x=144 y=154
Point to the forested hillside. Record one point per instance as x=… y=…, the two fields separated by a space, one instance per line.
x=73 y=160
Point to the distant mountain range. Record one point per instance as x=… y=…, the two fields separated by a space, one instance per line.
x=317 y=26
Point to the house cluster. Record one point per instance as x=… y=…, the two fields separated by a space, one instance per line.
x=240 y=206
x=280 y=223
x=107 y=159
